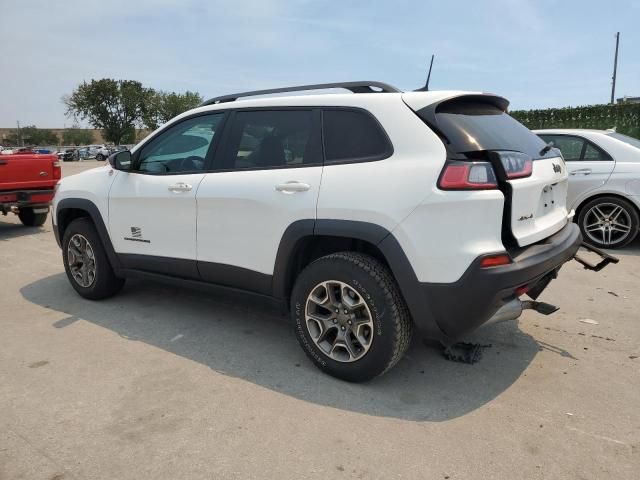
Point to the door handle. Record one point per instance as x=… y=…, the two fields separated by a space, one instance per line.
x=292 y=187
x=581 y=171
x=180 y=187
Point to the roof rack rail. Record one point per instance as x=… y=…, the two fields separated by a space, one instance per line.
x=355 y=87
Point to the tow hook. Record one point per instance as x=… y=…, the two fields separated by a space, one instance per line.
x=606 y=258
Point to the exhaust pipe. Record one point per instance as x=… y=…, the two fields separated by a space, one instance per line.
x=513 y=309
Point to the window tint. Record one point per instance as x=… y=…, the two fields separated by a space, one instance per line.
x=353 y=135
x=594 y=153
x=473 y=125
x=263 y=139
x=182 y=148
x=571 y=147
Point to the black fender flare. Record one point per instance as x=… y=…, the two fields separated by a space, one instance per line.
x=96 y=217
x=382 y=238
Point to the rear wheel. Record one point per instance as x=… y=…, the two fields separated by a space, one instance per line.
x=29 y=218
x=86 y=262
x=608 y=222
x=349 y=316
x=100 y=157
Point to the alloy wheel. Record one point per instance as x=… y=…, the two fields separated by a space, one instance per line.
x=339 y=321
x=81 y=260
x=607 y=223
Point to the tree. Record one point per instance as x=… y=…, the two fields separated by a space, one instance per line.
x=78 y=136
x=31 y=135
x=163 y=106
x=116 y=106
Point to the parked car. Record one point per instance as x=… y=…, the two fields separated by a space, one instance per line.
x=102 y=152
x=27 y=183
x=68 y=155
x=392 y=209
x=604 y=182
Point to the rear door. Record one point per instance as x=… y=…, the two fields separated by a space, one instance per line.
x=267 y=178
x=589 y=166
x=533 y=179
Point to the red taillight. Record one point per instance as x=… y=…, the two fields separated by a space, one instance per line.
x=57 y=171
x=516 y=164
x=495 y=260
x=467 y=176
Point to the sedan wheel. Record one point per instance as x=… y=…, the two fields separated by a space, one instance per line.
x=608 y=222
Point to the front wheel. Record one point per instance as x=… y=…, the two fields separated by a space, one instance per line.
x=86 y=263
x=29 y=218
x=349 y=316
x=608 y=222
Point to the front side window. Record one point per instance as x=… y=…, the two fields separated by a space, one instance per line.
x=571 y=147
x=271 y=139
x=182 y=148
x=353 y=135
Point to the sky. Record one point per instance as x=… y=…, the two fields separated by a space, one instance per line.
x=536 y=53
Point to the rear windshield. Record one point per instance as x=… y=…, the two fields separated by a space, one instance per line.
x=634 y=142
x=471 y=126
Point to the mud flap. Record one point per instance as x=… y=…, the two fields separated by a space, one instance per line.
x=606 y=258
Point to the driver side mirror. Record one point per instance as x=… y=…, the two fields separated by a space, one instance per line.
x=121 y=160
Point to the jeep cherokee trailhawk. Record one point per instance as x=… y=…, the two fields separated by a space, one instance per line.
x=366 y=213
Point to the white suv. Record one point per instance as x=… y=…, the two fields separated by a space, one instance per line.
x=366 y=213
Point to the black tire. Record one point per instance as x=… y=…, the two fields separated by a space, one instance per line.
x=31 y=219
x=391 y=320
x=105 y=284
x=628 y=216
x=100 y=157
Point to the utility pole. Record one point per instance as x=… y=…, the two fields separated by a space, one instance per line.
x=19 y=139
x=615 y=68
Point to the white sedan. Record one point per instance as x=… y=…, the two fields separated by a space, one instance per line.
x=604 y=182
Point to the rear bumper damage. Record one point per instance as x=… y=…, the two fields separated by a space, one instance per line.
x=482 y=293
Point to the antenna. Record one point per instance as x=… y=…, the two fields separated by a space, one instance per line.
x=426 y=85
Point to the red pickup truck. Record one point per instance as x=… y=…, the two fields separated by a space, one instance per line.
x=27 y=185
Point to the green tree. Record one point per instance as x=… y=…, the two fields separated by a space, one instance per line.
x=78 y=136
x=32 y=135
x=115 y=106
x=163 y=106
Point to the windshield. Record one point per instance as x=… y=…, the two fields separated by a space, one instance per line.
x=634 y=142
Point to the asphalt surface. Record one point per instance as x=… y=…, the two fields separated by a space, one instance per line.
x=169 y=383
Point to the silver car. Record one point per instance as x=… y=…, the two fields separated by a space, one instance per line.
x=604 y=182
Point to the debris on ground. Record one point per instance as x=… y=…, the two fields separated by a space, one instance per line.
x=589 y=321
x=463 y=352
x=613 y=293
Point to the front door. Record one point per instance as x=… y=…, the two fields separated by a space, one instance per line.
x=152 y=209
x=268 y=178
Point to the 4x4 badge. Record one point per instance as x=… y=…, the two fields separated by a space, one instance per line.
x=557 y=168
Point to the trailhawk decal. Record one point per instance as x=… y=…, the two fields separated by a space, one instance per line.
x=136 y=236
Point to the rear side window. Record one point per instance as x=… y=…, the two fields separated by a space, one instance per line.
x=352 y=136
x=576 y=148
x=273 y=138
x=571 y=147
x=472 y=125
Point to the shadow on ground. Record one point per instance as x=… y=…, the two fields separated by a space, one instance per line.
x=234 y=336
x=15 y=230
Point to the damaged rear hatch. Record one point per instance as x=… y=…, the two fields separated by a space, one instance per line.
x=532 y=176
